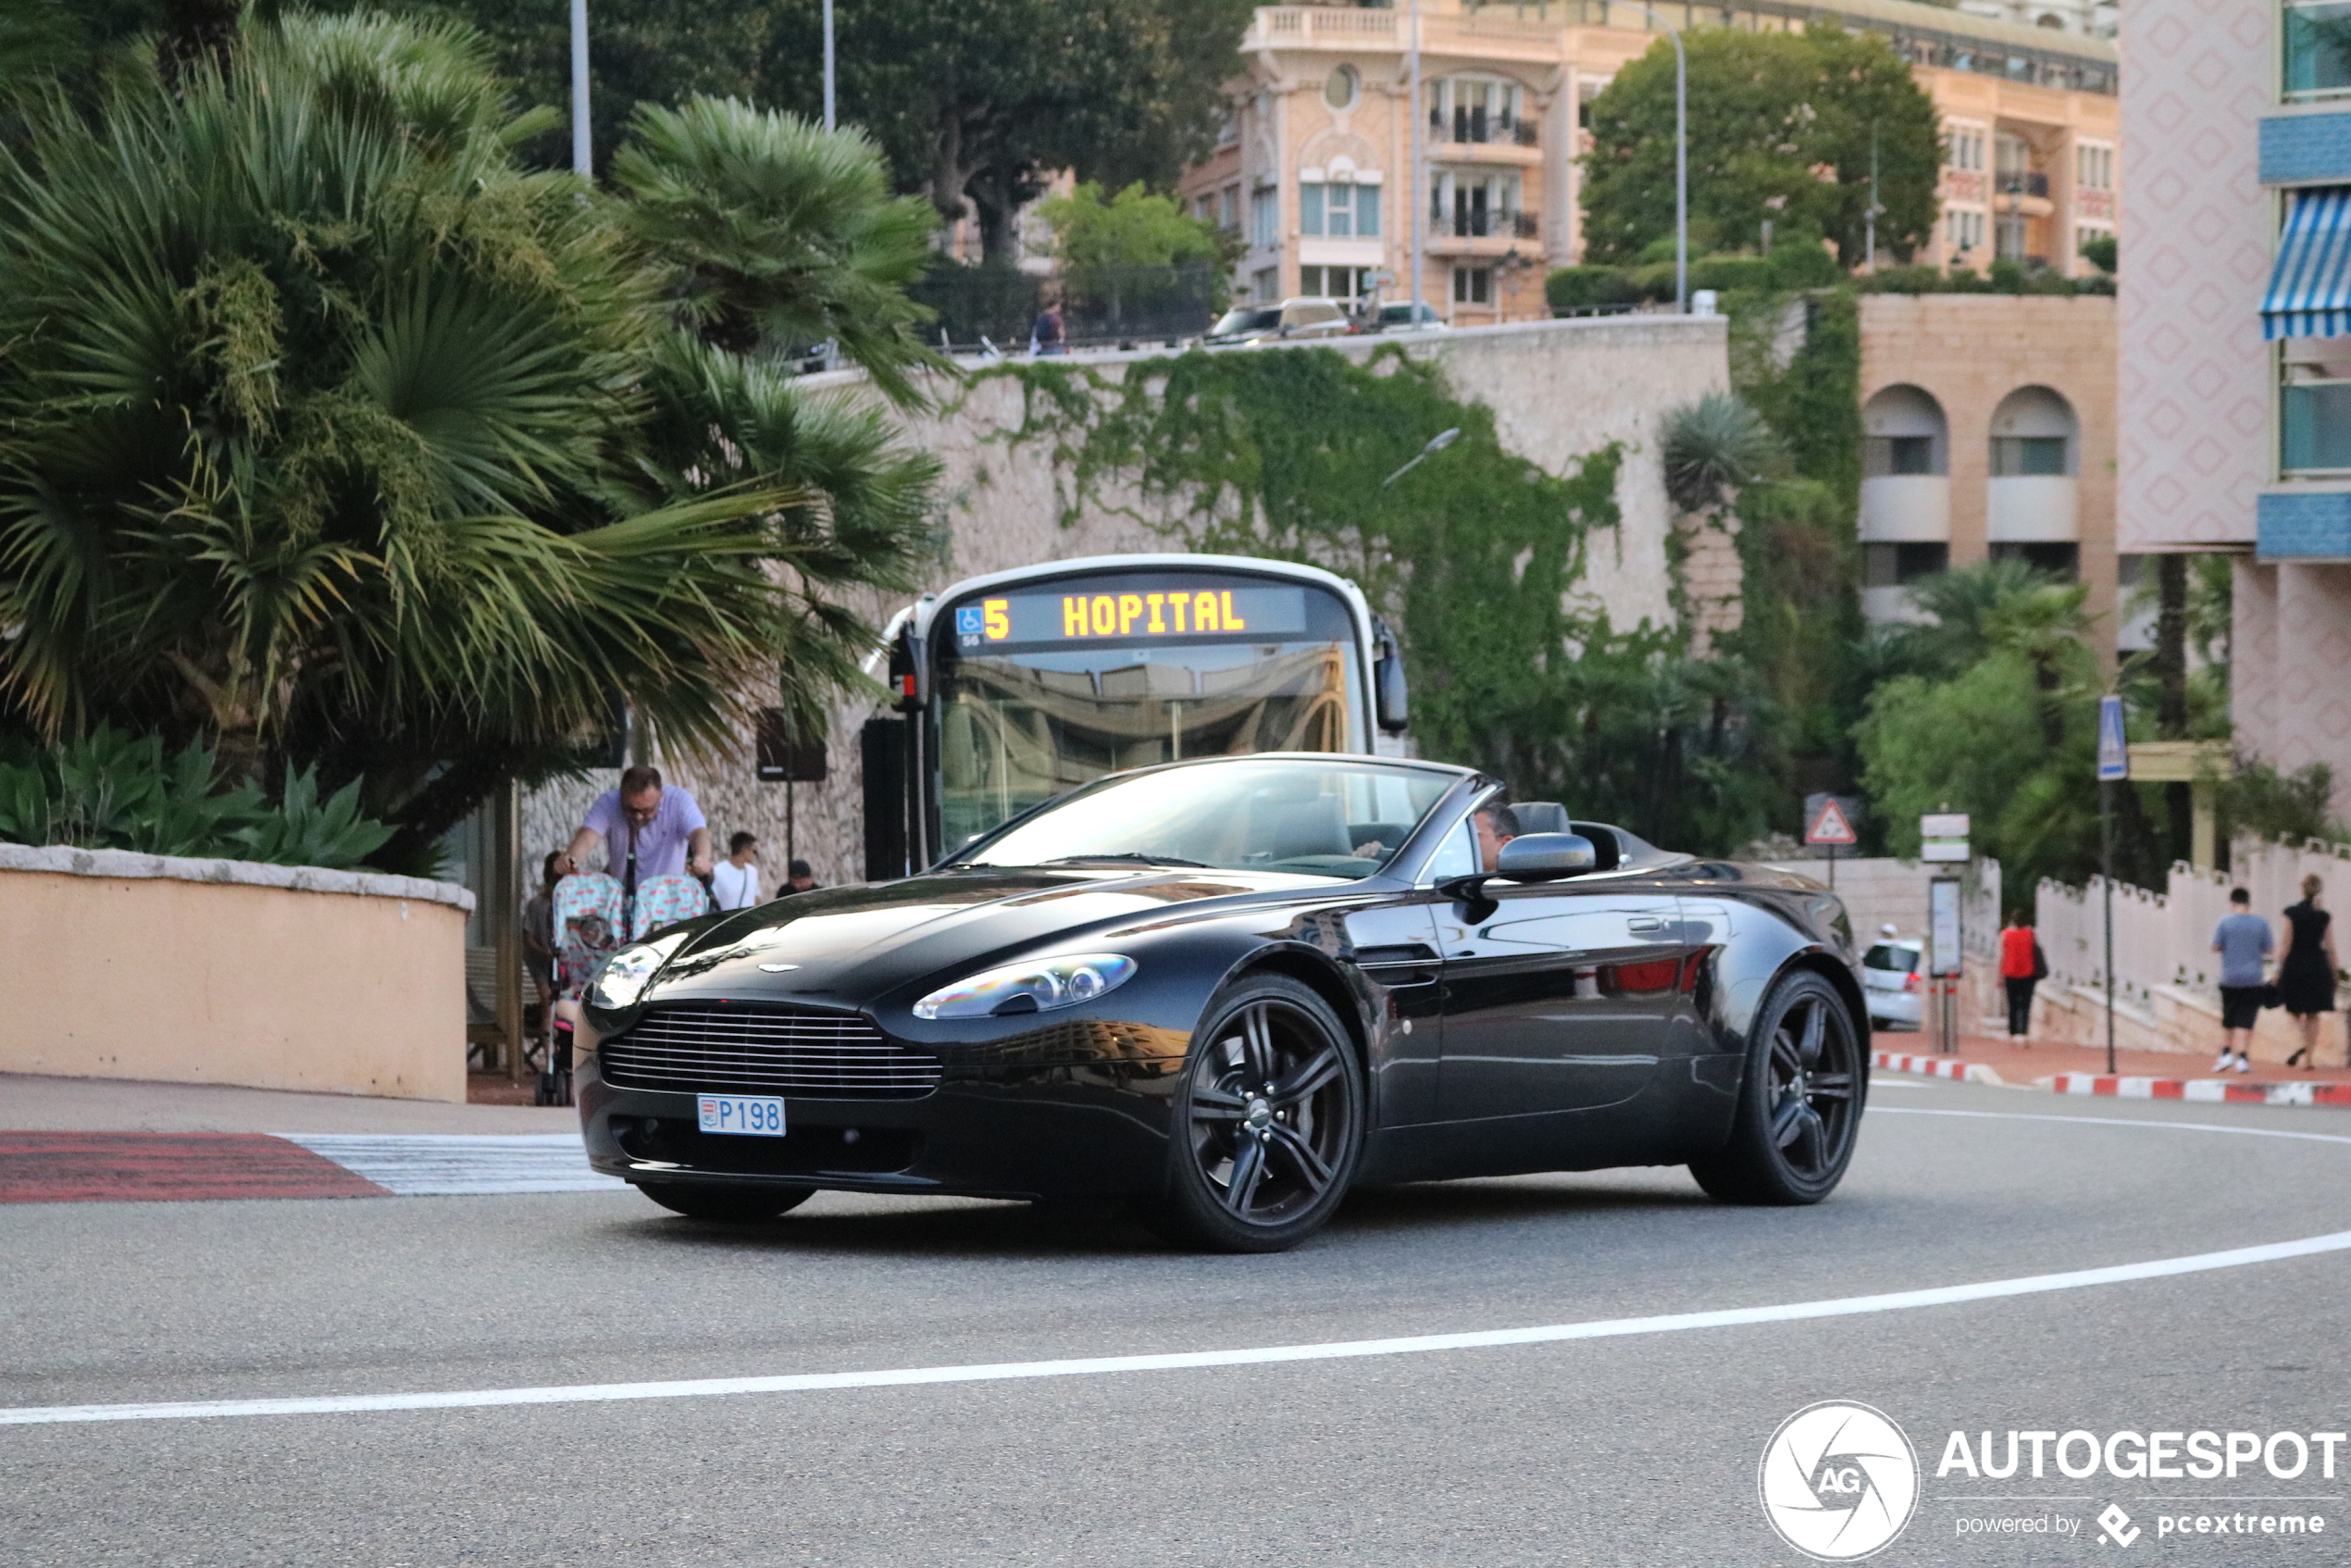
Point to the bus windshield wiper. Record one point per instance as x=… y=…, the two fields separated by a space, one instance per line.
x=1136 y=855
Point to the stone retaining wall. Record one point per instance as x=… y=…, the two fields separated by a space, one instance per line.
x=127 y=965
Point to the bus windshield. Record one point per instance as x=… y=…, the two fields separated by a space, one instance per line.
x=1056 y=683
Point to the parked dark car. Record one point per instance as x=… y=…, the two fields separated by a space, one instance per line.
x=1227 y=991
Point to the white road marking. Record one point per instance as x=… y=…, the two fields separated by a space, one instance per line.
x=444 y=1165
x=1673 y=1322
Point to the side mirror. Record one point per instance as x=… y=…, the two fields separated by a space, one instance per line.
x=1392 y=699
x=1546 y=857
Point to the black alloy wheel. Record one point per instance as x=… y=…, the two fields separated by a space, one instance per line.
x=1269 y=1122
x=1800 y=1105
x=737 y=1205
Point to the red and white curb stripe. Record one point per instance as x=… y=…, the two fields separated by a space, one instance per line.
x=2206 y=1090
x=1934 y=1067
x=80 y=1167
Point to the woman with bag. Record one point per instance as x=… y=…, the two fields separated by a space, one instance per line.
x=2306 y=976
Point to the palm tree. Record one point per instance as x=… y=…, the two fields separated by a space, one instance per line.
x=329 y=434
x=779 y=233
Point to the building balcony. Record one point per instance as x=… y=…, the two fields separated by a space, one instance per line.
x=1906 y=509
x=1511 y=153
x=1478 y=224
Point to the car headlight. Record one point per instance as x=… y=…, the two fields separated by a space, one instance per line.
x=1038 y=986
x=623 y=977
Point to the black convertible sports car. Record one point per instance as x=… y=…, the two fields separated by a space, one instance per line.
x=1228 y=991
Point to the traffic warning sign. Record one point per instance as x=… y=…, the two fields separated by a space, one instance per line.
x=1831 y=825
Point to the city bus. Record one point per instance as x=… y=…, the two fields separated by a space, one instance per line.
x=1011 y=688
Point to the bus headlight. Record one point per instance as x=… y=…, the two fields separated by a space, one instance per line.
x=1038 y=987
x=622 y=979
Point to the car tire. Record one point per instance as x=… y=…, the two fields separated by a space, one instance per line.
x=1267 y=1123
x=1799 y=1106
x=737 y=1205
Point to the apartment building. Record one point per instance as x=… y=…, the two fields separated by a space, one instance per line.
x=1315 y=168
x=2235 y=324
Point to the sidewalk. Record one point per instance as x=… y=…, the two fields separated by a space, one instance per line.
x=2159 y=1074
x=29 y=1104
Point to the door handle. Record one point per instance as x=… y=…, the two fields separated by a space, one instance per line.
x=1645 y=922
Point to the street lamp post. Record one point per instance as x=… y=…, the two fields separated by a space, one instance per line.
x=829 y=65
x=583 y=156
x=1413 y=186
x=1436 y=443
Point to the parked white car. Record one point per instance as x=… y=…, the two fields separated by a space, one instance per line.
x=1891 y=975
x=1397 y=317
x=1290 y=319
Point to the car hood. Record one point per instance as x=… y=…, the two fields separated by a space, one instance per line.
x=847 y=946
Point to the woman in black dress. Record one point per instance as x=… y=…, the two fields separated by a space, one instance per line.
x=2306 y=976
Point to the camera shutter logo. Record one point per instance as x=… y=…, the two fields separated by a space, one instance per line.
x=1838 y=1481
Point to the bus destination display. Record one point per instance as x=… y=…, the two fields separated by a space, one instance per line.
x=1133 y=612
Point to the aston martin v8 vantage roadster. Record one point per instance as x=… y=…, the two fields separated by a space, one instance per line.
x=1227 y=991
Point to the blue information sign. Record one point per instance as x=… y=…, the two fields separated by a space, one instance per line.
x=2114 y=752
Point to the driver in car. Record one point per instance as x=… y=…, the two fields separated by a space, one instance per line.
x=1495 y=824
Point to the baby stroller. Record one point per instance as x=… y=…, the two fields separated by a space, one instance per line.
x=596 y=917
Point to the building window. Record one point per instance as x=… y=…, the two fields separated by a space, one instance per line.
x=1963 y=148
x=1899 y=566
x=1477 y=206
x=2028 y=457
x=1882 y=455
x=1471 y=109
x=2093 y=168
x=1339 y=209
x=1266 y=284
x=1335 y=282
x=2062 y=562
x=1473 y=285
x=1342 y=88
x=1204 y=208
x=1265 y=216
x=1229 y=208
x=2314 y=406
x=2318 y=49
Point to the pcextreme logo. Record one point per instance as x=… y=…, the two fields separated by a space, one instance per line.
x=1839 y=1481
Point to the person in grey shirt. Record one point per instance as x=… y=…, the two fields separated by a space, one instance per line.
x=2242 y=941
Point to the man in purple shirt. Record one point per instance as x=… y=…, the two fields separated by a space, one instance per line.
x=665 y=825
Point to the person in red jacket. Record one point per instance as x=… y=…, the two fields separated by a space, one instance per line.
x=2021 y=967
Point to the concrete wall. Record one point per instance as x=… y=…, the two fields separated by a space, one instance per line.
x=208 y=971
x=1968 y=352
x=1559 y=391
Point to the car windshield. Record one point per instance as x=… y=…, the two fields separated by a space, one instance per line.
x=1248 y=319
x=1322 y=818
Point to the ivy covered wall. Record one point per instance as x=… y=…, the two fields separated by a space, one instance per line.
x=1479 y=557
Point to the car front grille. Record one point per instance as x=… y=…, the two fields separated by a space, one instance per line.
x=819 y=1055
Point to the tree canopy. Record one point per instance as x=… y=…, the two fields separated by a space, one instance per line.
x=330 y=433
x=1783 y=127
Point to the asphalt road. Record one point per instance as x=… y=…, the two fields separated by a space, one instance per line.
x=1640 y=1449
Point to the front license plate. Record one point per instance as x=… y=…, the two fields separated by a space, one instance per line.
x=753 y=1115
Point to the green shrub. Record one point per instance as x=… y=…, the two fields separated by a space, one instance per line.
x=1574 y=288
x=2101 y=254
x=1803 y=265
x=114 y=791
x=1724 y=273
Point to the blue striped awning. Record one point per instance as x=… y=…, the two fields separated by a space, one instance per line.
x=2310 y=286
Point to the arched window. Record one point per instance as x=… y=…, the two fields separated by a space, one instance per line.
x=2030 y=509
x=1904 y=432
x=2033 y=434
